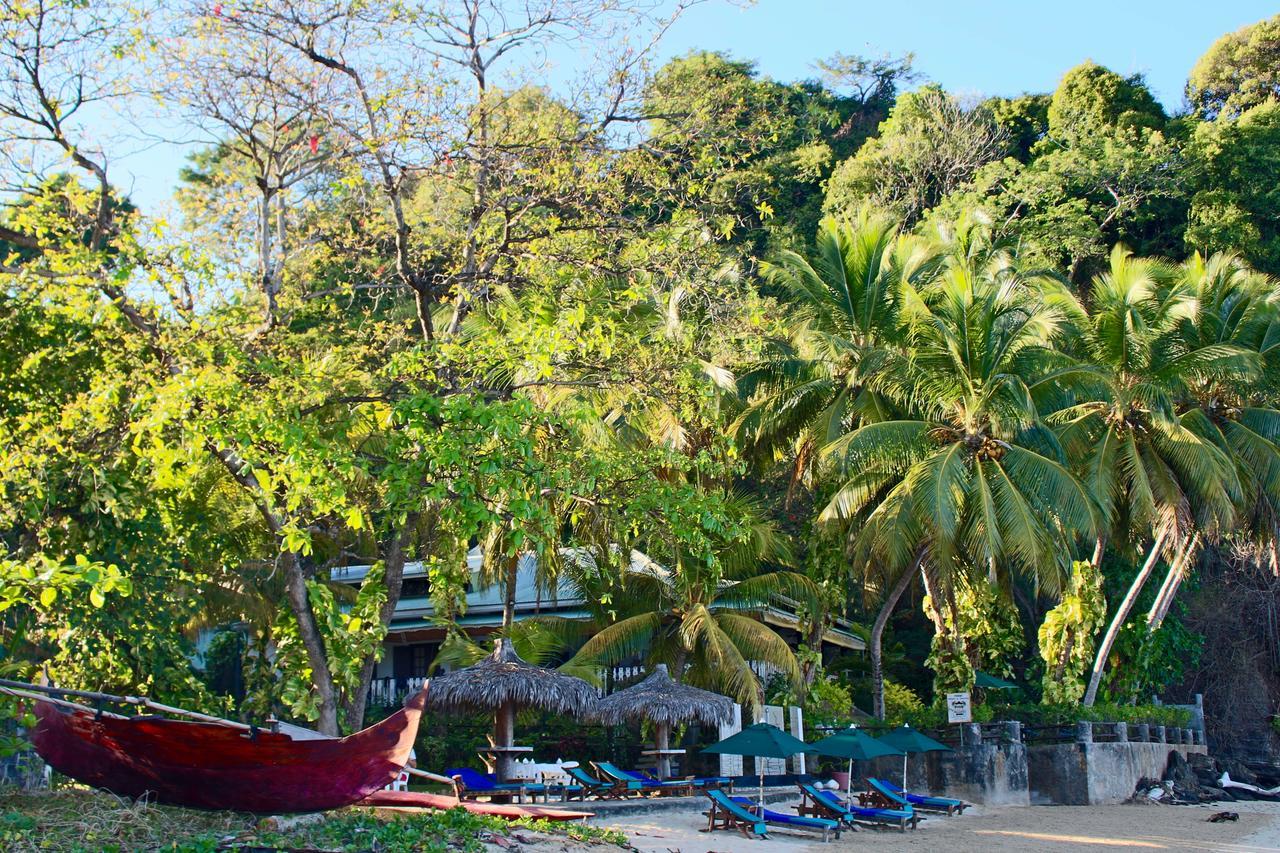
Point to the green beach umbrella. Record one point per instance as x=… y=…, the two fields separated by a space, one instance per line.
x=761 y=741
x=990 y=682
x=854 y=744
x=910 y=742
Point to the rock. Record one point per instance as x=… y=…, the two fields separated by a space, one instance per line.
x=1210 y=794
x=1179 y=772
x=1240 y=772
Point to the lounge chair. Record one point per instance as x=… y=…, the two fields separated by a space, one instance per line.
x=604 y=790
x=817 y=824
x=726 y=814
x=827 y=804
x=895 y=794
x=472 y=784
x=647 y=784
x=722 y=782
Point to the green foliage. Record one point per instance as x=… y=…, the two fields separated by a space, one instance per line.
x=901 y=705
x=1067 y=634
x=981 y=631
x=1092 y=100
x=1232 y=208
x=1065 y=714
x=1238 y=72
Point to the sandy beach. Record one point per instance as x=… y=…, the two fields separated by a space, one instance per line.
x=1034 y=828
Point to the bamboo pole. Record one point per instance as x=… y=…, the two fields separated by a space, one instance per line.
x=138 y=701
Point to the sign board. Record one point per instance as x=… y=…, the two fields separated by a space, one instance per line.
x=959 y=708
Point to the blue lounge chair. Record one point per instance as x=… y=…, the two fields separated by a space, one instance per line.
x=827 y=804
x=603 y=790
x=817 y=824
x=895 y=794
x=725 y=782
x=726 y=814
x=645 y=786
x=472 y=784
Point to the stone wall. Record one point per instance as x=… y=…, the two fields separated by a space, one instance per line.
x=1100 y=763
x=987 y=765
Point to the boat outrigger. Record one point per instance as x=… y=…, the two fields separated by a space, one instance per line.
x=211 y=763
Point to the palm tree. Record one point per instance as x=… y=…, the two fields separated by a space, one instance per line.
x=968 y=477
x=836 y=370
x=1150 y=473
x=701 y=619
x=1236 y=309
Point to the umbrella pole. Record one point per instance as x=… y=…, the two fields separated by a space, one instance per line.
x=761 y=769
x=848 y=781
x=504 y=735
x=904 y=772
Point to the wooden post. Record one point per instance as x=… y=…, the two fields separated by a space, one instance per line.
x=504 y=735
x=663 y=738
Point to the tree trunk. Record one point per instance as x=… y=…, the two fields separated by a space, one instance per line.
x=1172 y=580
x=1117 y=622
x=393 y=580
x=877 y=634
x=504 y=735
x=509 y=604
x=313 y=642
x=662 y=740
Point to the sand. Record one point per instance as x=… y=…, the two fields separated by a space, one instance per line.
x=1133 y=828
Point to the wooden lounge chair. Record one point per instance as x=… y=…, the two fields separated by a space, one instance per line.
x=604 y=790
x=894 y=794
x=647 y=784
x=817 y=824
x=724 y=783
x=827 y=804
x=726 y=814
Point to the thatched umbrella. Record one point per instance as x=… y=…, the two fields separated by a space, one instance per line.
x=503 y=682
x=665 y=703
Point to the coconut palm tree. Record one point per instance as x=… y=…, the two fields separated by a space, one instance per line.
x=1235 y=308
x=968 y=477
x=838 y=367
x=702 y=619
x=1151 y=474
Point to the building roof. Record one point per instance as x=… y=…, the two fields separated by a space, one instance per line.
x=416 y=613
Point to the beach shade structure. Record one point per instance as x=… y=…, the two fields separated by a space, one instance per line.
x=911 y=742
x=760 y=741
x=990 y=682
x=504 y=683
x=855 y=745
x=665 y=704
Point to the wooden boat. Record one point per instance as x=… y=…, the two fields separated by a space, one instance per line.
x=422 y=800
x=210 y=763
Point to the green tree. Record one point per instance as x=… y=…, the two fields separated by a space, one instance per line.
x=1240 y=71
x=1233 y=208
x=1151 y=474
x=930 y=145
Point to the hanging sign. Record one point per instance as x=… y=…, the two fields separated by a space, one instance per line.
x=959 y=708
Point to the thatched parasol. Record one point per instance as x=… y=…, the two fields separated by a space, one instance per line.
x=665 y=703
x=504 y=682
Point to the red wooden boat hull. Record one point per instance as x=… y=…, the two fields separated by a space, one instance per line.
x=212 y=766
x=422 y=800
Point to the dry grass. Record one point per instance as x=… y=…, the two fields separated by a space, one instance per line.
x=82 y=820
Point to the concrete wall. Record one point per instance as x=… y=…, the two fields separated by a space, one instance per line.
x=988 y=765
x=1086 y=772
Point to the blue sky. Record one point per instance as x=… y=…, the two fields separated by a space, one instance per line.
x=979 y=47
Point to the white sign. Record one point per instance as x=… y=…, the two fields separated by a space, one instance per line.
x=958 y=708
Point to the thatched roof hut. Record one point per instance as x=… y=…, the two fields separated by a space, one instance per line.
x=665 y=703
x=504 y=682
x=504 y=677
x=661 y=700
